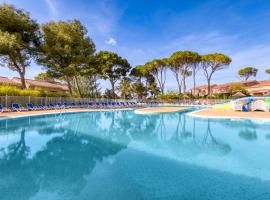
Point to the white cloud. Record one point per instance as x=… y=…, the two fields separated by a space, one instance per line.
x=52 y=7
x=104 y=16
x=111 y=41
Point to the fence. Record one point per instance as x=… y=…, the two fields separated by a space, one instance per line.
x=23 y=100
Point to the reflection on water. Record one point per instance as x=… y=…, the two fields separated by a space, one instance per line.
x=109 y=155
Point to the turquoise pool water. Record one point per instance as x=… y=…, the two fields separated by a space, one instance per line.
x=119 y=155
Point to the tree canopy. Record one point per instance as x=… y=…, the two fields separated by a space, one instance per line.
x=212 y=63
x=247 y=72
x=44 y=77
x=19 y=39
x=158 y=68
x=183 y=61
x=112 y=67
x=66 y=49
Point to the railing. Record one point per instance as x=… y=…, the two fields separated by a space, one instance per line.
x=23 y=100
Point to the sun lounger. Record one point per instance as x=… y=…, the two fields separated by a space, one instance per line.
x=42 y=107
x=52 y=106
x=259 y=105
x=4 y=109
x=90 y=105
x=31 y=107
x=17 y=107
x=60 y=106
x=237 y=106
x=66 y=105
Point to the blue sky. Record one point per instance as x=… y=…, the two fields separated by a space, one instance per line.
x=141 y=30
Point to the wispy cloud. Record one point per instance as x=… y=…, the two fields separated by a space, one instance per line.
x=104 y=16
x=111 y=41
x=51 y=6
x=202 y=42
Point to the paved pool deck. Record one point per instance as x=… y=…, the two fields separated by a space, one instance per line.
x=230 y=114
x=154 y=110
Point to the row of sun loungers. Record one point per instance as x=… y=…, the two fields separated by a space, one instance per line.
x=254 y=105
x=51 y=106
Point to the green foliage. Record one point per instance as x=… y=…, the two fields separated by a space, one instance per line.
x=125 y=88
x=19 y=39
x=237 y=87
x=247 y=72
x=108 y=94
x=171 y=95
x=38 y=92
x=186 y=73
x=222 y=96
x=139 y=72
x=44 y=77
x=157 y=68
x=153 y=89
x=139 y=89
x=212 y=63
x=112 y=67
x=180 y=64
x=66 y=49
x=89 y=86
x=180 y=59
x=267 y=71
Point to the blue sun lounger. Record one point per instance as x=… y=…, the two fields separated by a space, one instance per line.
x=31 y=107
x=42 y=107
x=52 y=106
x=17 y=107
x=4 y=109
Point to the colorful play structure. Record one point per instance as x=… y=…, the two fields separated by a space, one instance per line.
x=246 y=104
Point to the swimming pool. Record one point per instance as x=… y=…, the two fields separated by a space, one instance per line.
x=122 y=155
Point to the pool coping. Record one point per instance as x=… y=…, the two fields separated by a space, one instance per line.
x=61 y=112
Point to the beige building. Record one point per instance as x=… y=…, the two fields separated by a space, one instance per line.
x=32 y=84
x=254 y=88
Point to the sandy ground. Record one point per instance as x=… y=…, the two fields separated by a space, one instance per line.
x=160 y=110
x=231 y=114
x=41 y=112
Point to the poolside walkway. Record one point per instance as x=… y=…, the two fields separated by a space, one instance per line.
x=212 y=113
x=160 y=110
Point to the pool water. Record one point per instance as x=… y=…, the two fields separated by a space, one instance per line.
x=119 y=155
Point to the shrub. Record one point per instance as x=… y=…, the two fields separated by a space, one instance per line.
x=37 y=92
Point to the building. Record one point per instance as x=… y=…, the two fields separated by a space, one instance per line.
x=32 y=84
x=254 y=88
x=260 y=89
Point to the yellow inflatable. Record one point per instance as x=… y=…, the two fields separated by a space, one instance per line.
x=224 y=106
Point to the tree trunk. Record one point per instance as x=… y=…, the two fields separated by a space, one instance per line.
x=179 y=84
x=113 y=88
x=194 y=83
x=23 y=86
x=184 y=83
x=209 y=87
x=69 y=85
x=77 y=86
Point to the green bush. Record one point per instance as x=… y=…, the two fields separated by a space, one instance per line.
x=169 y=96
x=37 y=92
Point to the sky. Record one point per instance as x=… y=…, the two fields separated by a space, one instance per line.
x=141 y=30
